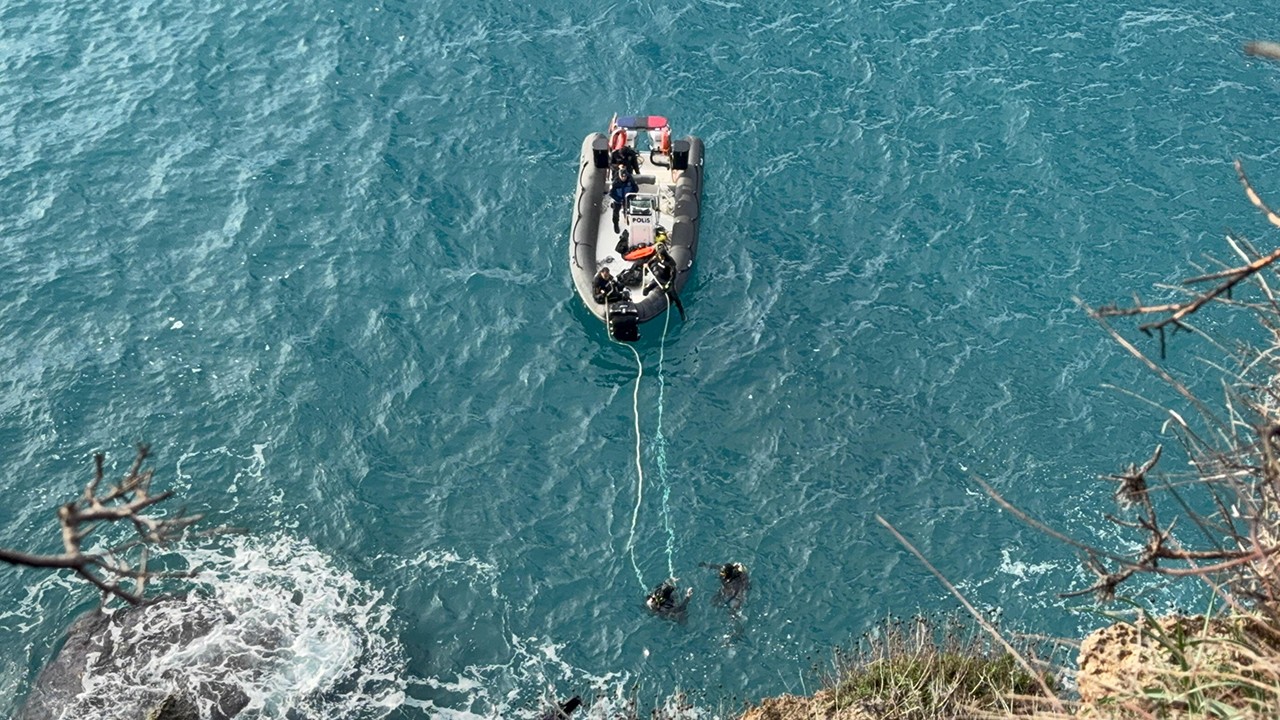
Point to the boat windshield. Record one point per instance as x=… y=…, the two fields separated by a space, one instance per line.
x=642 y=204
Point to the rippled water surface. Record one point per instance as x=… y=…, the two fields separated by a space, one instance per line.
x=316 y=255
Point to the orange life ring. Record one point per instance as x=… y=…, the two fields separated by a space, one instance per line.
x=618 y=140
x=639 y=253
x=665 y=142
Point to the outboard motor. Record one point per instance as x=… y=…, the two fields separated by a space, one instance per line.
x=624 y=321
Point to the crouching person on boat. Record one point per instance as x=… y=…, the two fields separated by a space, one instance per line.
x=606 y=288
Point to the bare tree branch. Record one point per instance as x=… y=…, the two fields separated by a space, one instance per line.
x=977 y=616
x=128 y=502
x=1179 y=311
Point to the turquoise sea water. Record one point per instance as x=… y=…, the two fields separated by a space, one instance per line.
x=316 y=255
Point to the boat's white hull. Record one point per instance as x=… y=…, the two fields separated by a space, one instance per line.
x=592 y=240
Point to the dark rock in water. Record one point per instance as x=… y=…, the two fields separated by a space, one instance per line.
x=178 y=706
x=59 y=681
x=116 y=645
x=563 y=711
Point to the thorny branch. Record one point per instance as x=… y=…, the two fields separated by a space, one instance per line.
x=1241 y=529
x=1229 y=279
x=1134 y=490
x=129 y=500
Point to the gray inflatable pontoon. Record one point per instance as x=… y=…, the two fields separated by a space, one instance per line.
x=659 y=213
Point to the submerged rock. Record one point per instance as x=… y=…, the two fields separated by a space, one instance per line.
x=104 y=649
x=178 y=706
x=272 y=630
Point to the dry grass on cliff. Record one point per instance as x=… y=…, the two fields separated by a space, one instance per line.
x=1195 y=666
x=920 y=669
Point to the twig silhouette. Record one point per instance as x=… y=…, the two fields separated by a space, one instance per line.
x=977 y=616
x=128 y=502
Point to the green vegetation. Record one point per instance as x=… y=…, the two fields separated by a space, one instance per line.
x=925 y=670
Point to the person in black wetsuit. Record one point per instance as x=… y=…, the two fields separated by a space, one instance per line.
x=734 y=586
x=606 y=288
x=662 y=267
x=666 y=602
x=625 y=158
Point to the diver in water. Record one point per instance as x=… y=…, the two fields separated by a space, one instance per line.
x=565 y=709
x=735 y=584
x=665 y=601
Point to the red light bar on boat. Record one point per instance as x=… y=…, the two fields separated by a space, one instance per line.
x=641 y=122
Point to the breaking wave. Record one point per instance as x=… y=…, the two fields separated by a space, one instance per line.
x=277 y=627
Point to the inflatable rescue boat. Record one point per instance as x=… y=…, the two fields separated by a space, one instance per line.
x=635 y=221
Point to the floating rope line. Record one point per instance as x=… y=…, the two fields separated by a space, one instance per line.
x=635 y=514
x=660 y=449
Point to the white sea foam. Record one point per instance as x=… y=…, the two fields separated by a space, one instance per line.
x=1022 y=570
x=530 y=675
x=535 y=678
x=295 y=634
